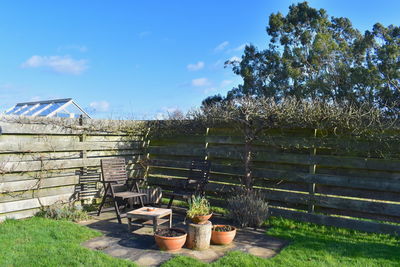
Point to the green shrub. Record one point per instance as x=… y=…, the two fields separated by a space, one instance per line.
x=248 y=208
x=60 y=211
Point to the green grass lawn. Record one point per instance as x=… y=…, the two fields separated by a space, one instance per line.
x=46 y=242
x=314 y=245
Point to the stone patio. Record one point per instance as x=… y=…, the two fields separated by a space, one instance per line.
x=139 y=246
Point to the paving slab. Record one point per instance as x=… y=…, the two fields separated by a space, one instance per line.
x=140 y=247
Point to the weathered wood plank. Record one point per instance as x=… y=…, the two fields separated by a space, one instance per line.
x=13 y=147
x=348 y=144
x=65 y=126
x=21 y=214
x=9 y=187
x=46 y=165
x=51 y=191
x=187 y=139
x=114 y=138
x=32 y=203
x=373 y=207
x=357 y=214
x=376 y=184
x=358 y=193
x=305 y=159
x=391 y=184
x=365 y=226
x=177 y=150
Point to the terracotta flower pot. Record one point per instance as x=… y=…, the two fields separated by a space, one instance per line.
x=222 y=238
x=201 y=219
x=171 y=243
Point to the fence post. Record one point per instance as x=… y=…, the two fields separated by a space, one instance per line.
x=83 y=155
x=312 y=170
x=206 y=146
x=145 y=147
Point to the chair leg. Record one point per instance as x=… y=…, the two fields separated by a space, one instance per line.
x=117 y=211
x=141 y=201
x=102 y=202
x=170 y=202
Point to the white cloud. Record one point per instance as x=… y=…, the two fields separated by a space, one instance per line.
x=200 y=82
x=235 y=58
x=225 y=83
x=101 y=106
x=80 y=48
x=197 y=66
x=60 y=64
x=221 y=46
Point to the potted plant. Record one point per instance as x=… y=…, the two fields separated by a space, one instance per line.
x=223 y=234
x=199 y=210
x=170 y=239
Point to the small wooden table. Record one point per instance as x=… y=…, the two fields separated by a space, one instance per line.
x=154 y=217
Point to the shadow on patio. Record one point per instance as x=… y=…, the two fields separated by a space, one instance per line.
x=139 y=245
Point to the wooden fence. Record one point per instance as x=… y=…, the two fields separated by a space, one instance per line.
x=44 y=161
x=308 y=175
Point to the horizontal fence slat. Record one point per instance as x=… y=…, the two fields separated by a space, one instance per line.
x=307 y=142
x=54 y=164
x=375 y=184
x=43 y=192
x=366 y=226
x=6 y=147
x=373 y=207
x=306 y=159
x=38 y=183
x=33 y=203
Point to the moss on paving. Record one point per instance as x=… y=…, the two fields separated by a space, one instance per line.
x=314 y=245
x=46 y=242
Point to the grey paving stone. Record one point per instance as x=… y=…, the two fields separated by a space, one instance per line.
x=139 y=245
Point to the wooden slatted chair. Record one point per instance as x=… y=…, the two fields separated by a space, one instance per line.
x=115 y=181
x=195 y=184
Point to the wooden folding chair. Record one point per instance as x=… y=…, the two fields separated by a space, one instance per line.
x=115 y=181
x=195 y=184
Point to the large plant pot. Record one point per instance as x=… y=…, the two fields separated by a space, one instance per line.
x=201 y=219
x=222 y=238
x=171 y=243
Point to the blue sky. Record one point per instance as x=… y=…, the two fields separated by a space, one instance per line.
x=140 y=59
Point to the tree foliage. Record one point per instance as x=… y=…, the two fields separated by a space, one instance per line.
x=313 y=56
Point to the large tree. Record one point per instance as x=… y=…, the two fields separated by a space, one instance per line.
x=313 y=56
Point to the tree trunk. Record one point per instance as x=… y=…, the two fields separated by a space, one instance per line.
x=248 y=175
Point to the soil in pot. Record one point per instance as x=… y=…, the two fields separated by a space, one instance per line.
x=223 y=234
x=171 y=239
x=170 y=232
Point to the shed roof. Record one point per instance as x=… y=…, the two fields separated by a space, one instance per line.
x=48 y=108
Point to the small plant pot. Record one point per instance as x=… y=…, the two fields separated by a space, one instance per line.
x=201 y=219
x=222 y=238
x=171 y=243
